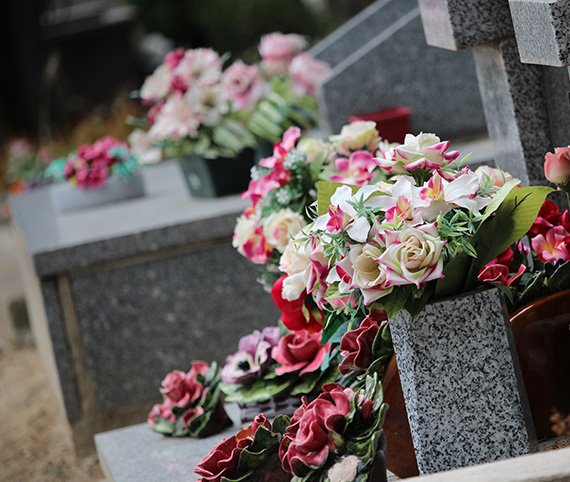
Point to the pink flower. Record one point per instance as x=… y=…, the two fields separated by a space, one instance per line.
x=557 y=166
x=552 y=246
x=277 y=51
x=299 y=352
x=256 y=248
x=308 y=73
x=282 y=148
x=173 y=58
x=357 y=169
x=356 y=345
x=548 y=217
x=223 y=459
x=244 y=85
x=162 y=410
x=199 y=67
x=309 y=440
x=183 y=388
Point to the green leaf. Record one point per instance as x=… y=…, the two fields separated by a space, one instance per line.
x=533 y=290
x=499 y=197
x=560 y=279
x=259 y=391
x=454 y=275
x=394 y=302
x=511 y=222
x=280 y=424
x=306 y=383
x=335 y=328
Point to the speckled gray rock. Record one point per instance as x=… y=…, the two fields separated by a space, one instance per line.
x=542 y=28
x=396 y=67
x=515 y=104
x=462 y=385
x=458 y=24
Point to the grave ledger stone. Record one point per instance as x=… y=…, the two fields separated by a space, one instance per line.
x=121 y=294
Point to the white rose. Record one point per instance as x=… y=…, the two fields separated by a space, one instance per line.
x=243 y=231
x=356 y=136
x=280 y=227
x=156 y=86
x=313 y=148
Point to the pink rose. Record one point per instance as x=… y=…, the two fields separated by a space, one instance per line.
x=183 y=388
x=162 y=410
x=277 y=51
x=308 y=74
x=356 y=345
x=309 y=439
x=243 y=84
x=223 y=459
x=557 y=166
x=300 y=352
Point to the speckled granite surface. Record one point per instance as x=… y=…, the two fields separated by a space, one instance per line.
x=459 y=24
x=465 y=403
x=542 y=28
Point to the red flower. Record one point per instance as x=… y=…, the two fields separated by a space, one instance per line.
x=299 y=351
x=548 y=217
x=309 y=439
x=356 y=345
x=297 y=314
x=223 y=459
x=499 y=273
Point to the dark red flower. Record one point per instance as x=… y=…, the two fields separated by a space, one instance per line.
x=300 y=352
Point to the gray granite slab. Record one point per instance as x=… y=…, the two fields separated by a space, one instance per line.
x=542 y=28
x=166 y=217
x=396 y=67
x=462 y=385
x=557 y=85
x=156 y=316
x=458 y=24
x=515 y=104
x=136 y=453
x=360 y=29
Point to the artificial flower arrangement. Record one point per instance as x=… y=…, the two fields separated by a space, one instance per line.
x=197 y=107
x=281 y=90
x=336 y=437
x=272 y=369
x=91 y=165
x=25 y=165
x=190 y=109
x=192 y=403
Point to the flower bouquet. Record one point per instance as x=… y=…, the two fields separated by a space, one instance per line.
x=192 y=404
x=272 y=370
x=336 y=437
x=102 y=172
x=282 y=88
x=25 y=165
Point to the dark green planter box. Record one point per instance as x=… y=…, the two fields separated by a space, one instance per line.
x=209 y=178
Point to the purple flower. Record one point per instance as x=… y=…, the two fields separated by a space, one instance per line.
x=254 y=352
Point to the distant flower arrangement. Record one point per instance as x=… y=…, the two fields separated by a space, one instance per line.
x=91 y=164
x=197 y=107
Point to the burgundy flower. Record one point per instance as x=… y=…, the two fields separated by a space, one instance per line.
x=309 y=439
x=300 y=352
x=223 y=459
x=356 y=345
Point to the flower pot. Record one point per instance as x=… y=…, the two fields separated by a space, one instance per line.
x=465 y=398
x=542 y=336
x=65 y=197
x=210 y=178
x=392 y=124
x=270 y=408
x=542 y=339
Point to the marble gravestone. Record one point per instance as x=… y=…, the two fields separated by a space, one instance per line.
x=380 y=60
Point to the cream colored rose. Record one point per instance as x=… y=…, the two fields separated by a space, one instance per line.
x=369 y=274
x=243 y=231
x=356 y=136
x=413 y=255
x=314 y=148
x=280 y=227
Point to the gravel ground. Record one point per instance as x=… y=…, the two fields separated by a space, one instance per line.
x=33 y=442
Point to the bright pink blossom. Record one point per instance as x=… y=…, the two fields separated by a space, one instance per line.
x=557 y=166
x=357 y=169
x=552 y=246
x=243 y=84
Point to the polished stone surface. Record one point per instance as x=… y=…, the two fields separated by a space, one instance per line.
x=464 y=392
x=165 y=217
x=459 y=24
x=516 y=110
x=137 y=453
x=396 y=67
x=542 y=28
